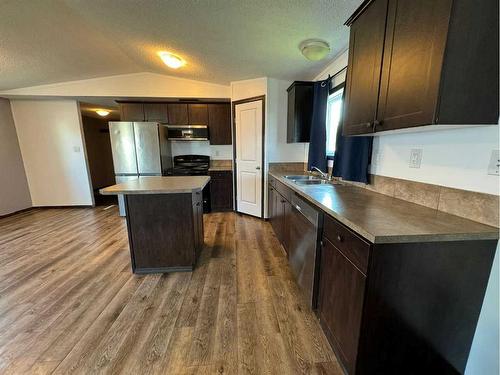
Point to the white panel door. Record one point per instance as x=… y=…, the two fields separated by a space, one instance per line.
x=248 y=124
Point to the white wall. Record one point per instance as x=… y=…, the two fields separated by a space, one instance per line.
x=146 y=85
x=278 y=150
x=14 y=192
x=216 y=152
x=51 y=142
x=455 y=158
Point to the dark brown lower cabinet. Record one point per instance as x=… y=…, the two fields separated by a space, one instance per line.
x=165 y=231
x=221 y=190
x=415 y=309
x=279 y=210
x=340 y=302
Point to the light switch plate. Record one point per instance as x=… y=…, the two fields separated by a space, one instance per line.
x=415 y=157
x=494 y=165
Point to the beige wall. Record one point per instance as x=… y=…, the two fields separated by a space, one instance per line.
x=52 y=147
x=14 y=192
x=147 y=85
x=98 y=144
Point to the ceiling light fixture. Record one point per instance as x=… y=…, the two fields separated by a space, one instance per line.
x=314 y=49
x=102 y=112
x=171 y=60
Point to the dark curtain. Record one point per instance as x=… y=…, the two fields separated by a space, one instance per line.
x=352 y=157
x=317 y=142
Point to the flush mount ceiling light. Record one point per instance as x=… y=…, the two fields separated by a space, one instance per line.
x=102 y=112
x=171 y=60
x=314 y=49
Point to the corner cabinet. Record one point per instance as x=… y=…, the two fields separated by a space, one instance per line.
x=407 y=65
x=299 y=112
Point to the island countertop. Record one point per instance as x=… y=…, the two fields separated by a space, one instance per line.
x=158 y=185
x=383 y=219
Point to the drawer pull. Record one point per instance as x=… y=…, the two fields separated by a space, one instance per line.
x=340 y=238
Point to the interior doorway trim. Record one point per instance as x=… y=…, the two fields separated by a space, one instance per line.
x=235 y=173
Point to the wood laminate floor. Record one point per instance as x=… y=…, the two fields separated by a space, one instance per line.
x=69 y=302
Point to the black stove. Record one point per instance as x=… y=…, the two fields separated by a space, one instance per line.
x=191 y=165
x=194 y=165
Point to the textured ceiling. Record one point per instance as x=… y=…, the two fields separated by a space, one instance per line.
x=47 y=41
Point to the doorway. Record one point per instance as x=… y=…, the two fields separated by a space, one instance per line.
x=248 y=132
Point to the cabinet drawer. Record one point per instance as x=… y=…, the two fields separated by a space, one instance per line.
x=283 y=190
x=355 y=248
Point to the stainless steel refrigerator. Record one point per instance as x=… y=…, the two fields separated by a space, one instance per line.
x=139 y=149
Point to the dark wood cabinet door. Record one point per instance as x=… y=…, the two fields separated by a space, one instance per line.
x=219 y=123
x=177 y=114
x=221 y=190
x=156 y=112
x=285 y=225
x=340 y=304
x=198 y=114
x=131 y=111
x=413 y=56
x=363 y=73
x=299 y=111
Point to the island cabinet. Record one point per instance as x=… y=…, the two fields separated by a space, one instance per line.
x=400 y=308
x=165 y=231
x=407 y=67
x=164 y=221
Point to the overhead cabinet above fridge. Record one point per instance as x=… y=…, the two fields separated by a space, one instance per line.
x=139 y=149
x=417 y=63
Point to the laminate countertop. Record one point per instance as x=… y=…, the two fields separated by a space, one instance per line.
x=158 y=185
x=383 y=219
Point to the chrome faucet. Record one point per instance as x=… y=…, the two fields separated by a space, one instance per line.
x=323 y=174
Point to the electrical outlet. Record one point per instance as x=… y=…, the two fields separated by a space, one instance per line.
x=415 y=158
x=494 y=165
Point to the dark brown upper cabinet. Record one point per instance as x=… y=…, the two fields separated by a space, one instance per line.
x=299 y=116
x=363 y=74
x=198 y=114
x=178 y=113
x=156 y=112
x=131 y=111
x=219 y=123
x=416 y=63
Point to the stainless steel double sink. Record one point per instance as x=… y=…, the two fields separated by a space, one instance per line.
x=308 y=180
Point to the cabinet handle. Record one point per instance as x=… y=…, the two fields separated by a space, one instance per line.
x=198 y=203
x=321 y=243
x=377 y=123
x=197 y=193
x=298 y=207
x=368 y=125
x=283 y=201
x=340 y=238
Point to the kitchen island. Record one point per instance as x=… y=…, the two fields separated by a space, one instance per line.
x=164 y=221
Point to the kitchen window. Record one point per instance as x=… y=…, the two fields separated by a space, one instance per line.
x=333 y=115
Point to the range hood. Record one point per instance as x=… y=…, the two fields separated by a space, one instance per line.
x=187 y=132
